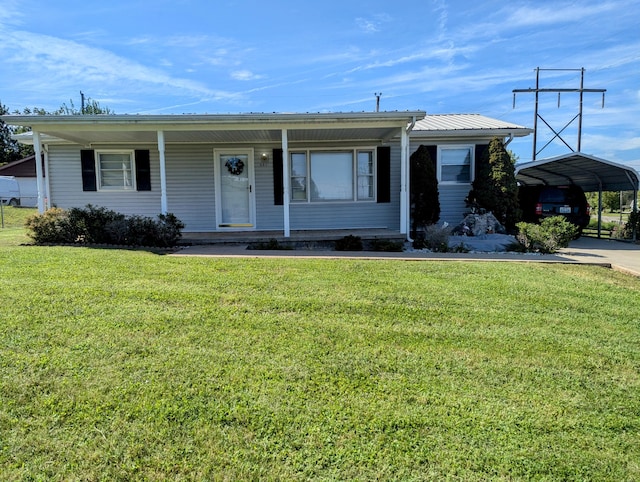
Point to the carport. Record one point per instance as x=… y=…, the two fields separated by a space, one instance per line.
x=590 y=173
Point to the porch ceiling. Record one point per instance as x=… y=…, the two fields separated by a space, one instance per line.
x=320 y=135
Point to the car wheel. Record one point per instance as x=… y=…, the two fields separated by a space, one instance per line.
x=14 y=202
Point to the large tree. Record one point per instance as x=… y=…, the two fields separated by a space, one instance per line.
x=495 y=187
x=9 y=148
x=425 y=202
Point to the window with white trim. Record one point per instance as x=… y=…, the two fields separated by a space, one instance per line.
x=455 y=164
x=116 y=170
x=337 y=175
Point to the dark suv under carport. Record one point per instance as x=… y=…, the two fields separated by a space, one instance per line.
x=539 y=202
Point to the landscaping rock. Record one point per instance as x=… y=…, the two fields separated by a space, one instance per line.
x=479 y=225
x=486 y=243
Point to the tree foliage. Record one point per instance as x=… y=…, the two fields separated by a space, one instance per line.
x=425 y=202
x=11 y=150
x=495 y=187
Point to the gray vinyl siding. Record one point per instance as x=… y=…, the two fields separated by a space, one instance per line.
x=191 y=185
x=452 y=196
x=191 y=191
x=65 y=183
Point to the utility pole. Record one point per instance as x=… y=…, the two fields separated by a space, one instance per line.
x=378 y=94
x=81 y=103
x=558 y=134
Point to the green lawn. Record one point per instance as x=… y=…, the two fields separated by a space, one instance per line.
x=127 y=365
x=12 y=225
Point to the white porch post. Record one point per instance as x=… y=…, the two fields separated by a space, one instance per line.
x=163 y=174
x=39 y=175
x=47 y=183
x=404 y=178
x=285 y=183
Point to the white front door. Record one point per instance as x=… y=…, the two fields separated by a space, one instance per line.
x=235 y=201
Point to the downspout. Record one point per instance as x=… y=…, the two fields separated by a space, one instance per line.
x=510 y=139
x=163 y=174
x=39 y=174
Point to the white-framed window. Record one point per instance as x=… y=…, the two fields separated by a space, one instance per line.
x=332 y=175
x=366 y=170
x=455 y=164
x=116 y=170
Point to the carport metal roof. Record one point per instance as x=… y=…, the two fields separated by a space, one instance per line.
x=588 y=172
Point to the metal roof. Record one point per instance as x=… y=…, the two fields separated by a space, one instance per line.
x=588 y=172
x=467 y=124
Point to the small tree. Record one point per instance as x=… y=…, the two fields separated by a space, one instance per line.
x=495 y=187
x=425 y=203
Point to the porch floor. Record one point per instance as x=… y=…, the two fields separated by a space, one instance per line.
x=298 y=237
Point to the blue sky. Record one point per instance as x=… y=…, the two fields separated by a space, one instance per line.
x=235 y=56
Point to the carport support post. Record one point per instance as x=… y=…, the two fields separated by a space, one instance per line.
x=599 y=210
x=163 y=174
x=39 y=176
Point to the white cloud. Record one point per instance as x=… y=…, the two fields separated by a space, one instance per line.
x=372 y=24
x=556 y=13
x=244 y=75
x=64 y=62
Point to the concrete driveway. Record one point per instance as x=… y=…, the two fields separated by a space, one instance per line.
x=620 y=255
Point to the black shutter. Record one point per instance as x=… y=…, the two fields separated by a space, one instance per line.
x=88 y=162
x=278 y=181
x=384 y=174
x=143 y=170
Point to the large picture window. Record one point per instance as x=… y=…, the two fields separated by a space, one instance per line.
x=115 y=170
x=455 y=164
x=318 y=176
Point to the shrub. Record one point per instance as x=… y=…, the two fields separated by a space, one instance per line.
x=98 y=225
x=434 y=237
x=632 y=221
x=423 y=190
x=495 y=187
x=547 y=237
x=349 y=243
x=386 y=245
x=52 y=226
x=273 y=244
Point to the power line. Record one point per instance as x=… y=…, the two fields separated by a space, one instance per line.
x=558 y=133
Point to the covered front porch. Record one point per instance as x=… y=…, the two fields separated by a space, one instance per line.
x=186 y=178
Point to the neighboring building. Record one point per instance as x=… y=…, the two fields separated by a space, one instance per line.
x=24 y=170
x=262 y=172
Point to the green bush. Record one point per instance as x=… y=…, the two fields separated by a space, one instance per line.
x=349 y=243
x=434 y=237
x=386 y=245
x=99 y=225
x=52 y=226
x=547 y=237
x=632 y=221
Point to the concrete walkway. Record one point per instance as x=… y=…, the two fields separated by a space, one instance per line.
x=612 y=254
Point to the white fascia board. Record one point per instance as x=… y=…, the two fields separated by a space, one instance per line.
x=466 y=133
x=216 y=121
